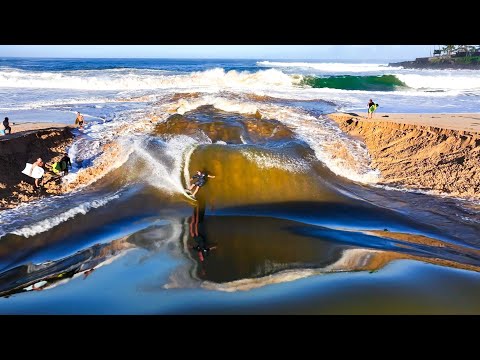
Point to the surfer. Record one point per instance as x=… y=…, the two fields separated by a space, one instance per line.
x=65 y=163
x=372 y=109
x=370 y=103
x=39 y=162
x=6 y=125
x=79 y=120
x=200 y=180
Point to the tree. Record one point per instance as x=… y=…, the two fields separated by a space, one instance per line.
x=448 y=49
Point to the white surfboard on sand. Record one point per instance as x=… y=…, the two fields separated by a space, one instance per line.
x=37 y=172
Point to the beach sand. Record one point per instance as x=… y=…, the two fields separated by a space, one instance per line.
x=21 y=129
x=439 y=152
x=461 y=122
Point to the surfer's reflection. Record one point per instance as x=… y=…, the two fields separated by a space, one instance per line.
x=200 y=244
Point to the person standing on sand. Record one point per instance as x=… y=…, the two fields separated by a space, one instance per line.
x=370 y=103
x=65 y=163
x=79 y=120
x=6 y=125
x=39 y=162
x=371 y=110
x=200 y=180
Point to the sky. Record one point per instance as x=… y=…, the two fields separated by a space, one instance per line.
x=347 y=52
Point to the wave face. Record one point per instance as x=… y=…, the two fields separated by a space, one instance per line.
x=348 y=82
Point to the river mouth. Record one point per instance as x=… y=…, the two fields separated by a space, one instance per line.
x=292 y=207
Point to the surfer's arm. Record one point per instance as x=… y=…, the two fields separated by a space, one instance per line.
x=211 y=176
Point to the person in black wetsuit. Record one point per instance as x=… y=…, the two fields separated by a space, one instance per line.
x=6 y=125
x=65 y=163
x=370 y=103
x=200 y=179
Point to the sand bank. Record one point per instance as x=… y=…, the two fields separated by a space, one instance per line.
x=438 y=152
x=27 y=142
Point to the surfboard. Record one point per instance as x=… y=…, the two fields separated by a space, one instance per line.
x=188 y=196
x=36 y=285
x=37 y=172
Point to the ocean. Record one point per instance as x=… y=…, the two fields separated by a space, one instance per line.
x=293 y=222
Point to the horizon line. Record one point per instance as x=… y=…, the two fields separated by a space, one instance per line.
x=192 y=58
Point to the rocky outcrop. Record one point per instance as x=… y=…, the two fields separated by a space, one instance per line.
x=421 y=157
x=438 y=65
x=15 y=187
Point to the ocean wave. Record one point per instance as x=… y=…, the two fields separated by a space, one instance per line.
x=348 y=82
x=448 y=81
x=329 y=67
x=136 y=79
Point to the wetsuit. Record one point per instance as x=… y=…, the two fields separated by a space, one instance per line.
x=200 y=179
x=7 y=126
x=65 y=163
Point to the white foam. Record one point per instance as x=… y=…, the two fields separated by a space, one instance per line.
x=279 y=161
x=217 y=102
x=135 y=79
x=53 y=221
x=329 y=67
x=444 y=81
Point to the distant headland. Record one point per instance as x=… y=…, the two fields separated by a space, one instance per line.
x=448 y=57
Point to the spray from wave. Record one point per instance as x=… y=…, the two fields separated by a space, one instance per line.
x=53 y=221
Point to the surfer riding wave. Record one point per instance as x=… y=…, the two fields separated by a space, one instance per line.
x=200 y=180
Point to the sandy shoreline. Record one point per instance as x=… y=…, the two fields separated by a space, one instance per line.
x=460 y=122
